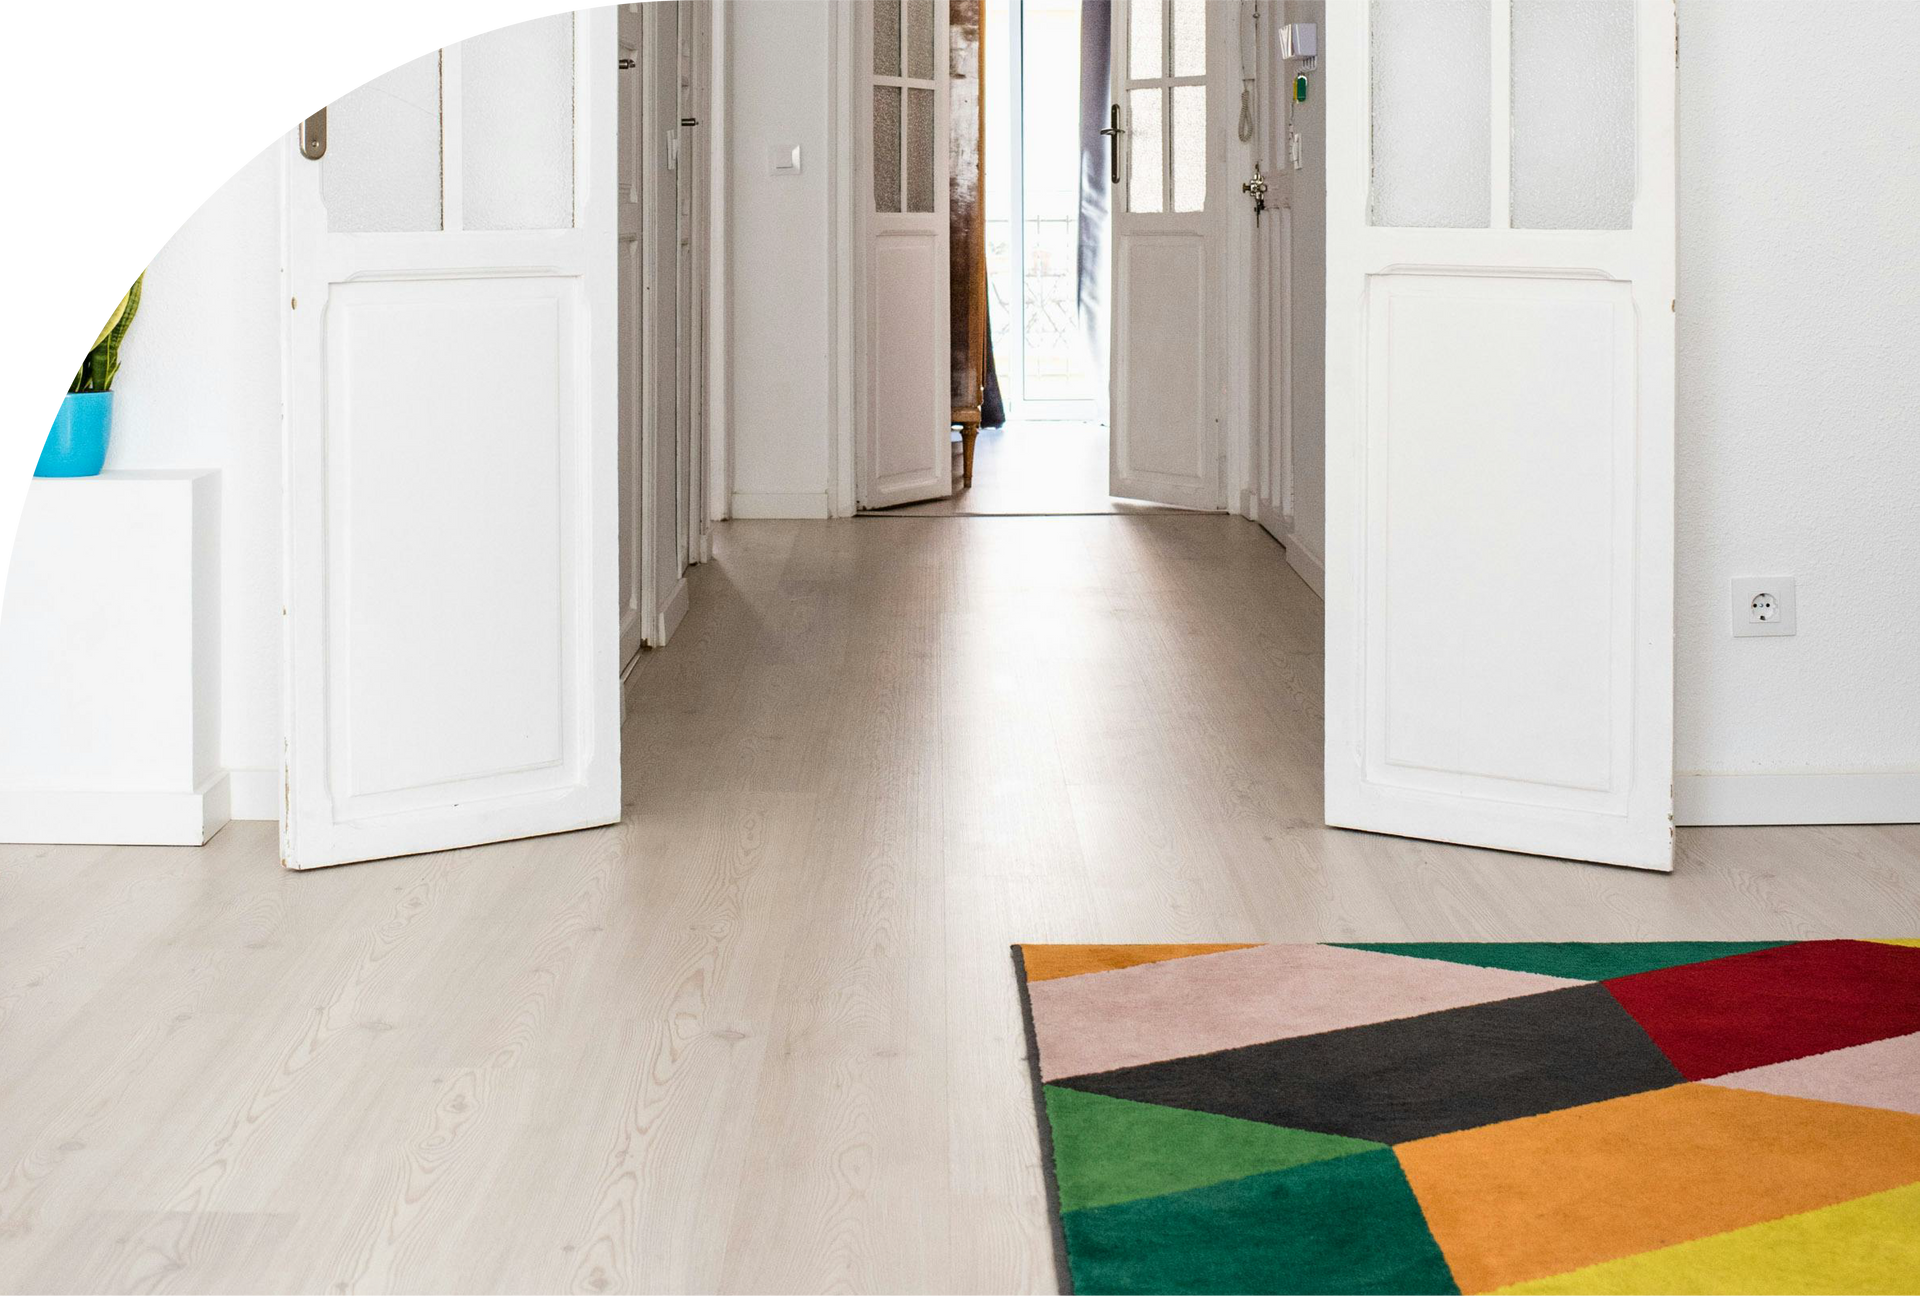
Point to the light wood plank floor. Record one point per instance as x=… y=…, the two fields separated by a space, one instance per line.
x=763 y=1035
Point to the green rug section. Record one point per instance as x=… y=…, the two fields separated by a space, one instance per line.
x=1110 y=1150
x=1349 y=1224
x=1582 y=962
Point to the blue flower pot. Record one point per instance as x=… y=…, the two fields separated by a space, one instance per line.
x=77 y=446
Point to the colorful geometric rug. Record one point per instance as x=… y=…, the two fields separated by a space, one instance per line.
x=1646 y=1117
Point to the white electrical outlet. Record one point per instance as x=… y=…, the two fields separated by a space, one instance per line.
x=1763 y=605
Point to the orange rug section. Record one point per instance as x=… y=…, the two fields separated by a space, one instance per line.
x=1050 y=962
x=1531 y=1198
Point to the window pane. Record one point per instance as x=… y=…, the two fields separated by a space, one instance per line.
x=1573 y=114
x=1146 y=40
x=920 y=39
x=1189 y=39
x=1432 y=112
x=1146 y=187
x=381 y=173
x=886 y=148
x=516 y=95
x=919 y=150
x=1189 y=148
x=886 y=37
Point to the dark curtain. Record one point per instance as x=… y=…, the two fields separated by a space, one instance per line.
x=993 y=410
x=1096 y=186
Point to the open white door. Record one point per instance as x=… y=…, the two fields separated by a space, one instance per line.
x=1500 y=298
x=665 y=457
x=451 y=539
x=906 y=452
x=1169 y=165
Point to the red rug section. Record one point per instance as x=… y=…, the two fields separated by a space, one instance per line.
x=1755 y=1009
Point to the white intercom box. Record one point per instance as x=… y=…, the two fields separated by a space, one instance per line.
x=1299 y=41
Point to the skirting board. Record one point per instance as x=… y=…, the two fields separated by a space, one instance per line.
x=780 y=504
x=1703 y=800
x=1302 y=560
x=94 y=818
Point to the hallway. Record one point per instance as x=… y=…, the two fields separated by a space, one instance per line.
x=763 y=1035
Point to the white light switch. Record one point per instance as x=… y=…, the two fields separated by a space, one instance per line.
x=784 y=159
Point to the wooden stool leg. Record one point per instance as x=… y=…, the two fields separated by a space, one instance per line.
x=967 y=436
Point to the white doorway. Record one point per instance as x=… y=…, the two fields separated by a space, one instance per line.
x=1047 y=248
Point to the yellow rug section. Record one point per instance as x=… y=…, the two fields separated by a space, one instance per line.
x=1871 y=1244
x=1046 y=962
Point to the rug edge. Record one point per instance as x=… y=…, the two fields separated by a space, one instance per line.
x=1063 y=1269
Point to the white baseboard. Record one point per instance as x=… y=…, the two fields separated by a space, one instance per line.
x=123 y=818
x=1307 y=563
x=780 y=504
x=1881 y=796
x=255 y=793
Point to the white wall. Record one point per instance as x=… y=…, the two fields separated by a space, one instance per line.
x=1799 y=317
x=1307 y=508
x=779 y=227
x=200 y=388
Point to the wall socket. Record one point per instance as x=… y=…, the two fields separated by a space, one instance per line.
x=1763 y=605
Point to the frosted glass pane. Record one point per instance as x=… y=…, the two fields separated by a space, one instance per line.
x=1189 y=148
x=919 y=150
x=920 y=39
x=1189 y=39
x=886 y=37
x=886 y=148
x=1146 y=137
x=516 y=96
x=1146 y=40
x=1432 y=112
x=1573 y=114
x=381 y=174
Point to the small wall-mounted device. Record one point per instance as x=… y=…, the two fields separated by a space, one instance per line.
x=1299 y=41
x=784 y=159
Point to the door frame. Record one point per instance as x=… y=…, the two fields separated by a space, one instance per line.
x=847 y=309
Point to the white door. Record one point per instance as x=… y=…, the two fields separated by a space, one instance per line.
x=1169 y=160
x=1500 y=298
x=633 y=341
x=451 y=460
x=665 y=464
x=696 y=57
x=907 y=450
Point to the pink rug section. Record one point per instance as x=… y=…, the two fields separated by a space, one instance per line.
x=1103 y=1020
x=1880 y=1074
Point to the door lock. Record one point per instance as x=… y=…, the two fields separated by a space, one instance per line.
x=1257 y=187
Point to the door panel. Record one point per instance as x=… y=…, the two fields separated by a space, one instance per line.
x=664 y=457
x=633 y=365
x=1500 y=431
x=452 y=621
x=906 y=450
x=1166 y=363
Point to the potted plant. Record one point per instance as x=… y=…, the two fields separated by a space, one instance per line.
x=77 y=446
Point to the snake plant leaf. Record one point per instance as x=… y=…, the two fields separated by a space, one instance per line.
x=131 y=298
x=112 y=321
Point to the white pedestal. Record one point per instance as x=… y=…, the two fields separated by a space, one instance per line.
x=109 y=663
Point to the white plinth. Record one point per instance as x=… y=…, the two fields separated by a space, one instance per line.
x=109 y=663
